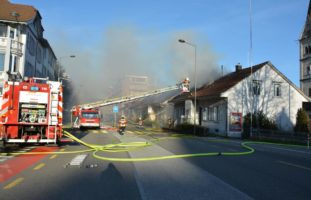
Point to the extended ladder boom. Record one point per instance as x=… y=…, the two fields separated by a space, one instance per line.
x=127 y=98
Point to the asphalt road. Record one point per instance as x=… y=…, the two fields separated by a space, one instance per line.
x=271 y=172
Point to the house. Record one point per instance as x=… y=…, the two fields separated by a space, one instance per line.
x=23 y=49
x=222 y=104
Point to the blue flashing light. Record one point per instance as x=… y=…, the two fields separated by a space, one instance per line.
x=34 y=88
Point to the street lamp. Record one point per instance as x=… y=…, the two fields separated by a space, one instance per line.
x=60 y=59
x=195 y=80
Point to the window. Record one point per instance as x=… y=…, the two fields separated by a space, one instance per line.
x=39 y=54
x=256 y=87
x=44 y=74
x=309 y=92
x=12 y=34
x=30 y=45
x=205 y=114
x=308 y=70
x=90 y=115
x=3 y=30
x=213 y=113
x=16 y=64
x=28 y=69
x=277 y=89
x=2 y=56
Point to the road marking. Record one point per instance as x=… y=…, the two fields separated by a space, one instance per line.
x=4 y=158
x=62 y=150
x=53 y=156
x=287 y=149
x=13 y=184
x=294 y=165
x=77 y=161
x=130 y=132
x=104 y=131
x=39 y=166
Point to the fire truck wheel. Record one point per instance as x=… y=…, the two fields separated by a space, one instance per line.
x=2 y=144
x=21 y=145
x=58 y=142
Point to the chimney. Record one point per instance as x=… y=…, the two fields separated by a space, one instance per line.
x=238 y=67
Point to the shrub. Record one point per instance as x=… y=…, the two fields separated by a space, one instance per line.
x=259 y=121
x=302 y=121
x=187 y=128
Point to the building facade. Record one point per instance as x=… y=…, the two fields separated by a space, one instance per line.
x=305 y=56
x=23 y=49
x=222 y=104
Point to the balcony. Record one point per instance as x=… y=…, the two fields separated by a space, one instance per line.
x=16 y=47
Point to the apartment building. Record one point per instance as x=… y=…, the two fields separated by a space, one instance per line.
x=23 y=49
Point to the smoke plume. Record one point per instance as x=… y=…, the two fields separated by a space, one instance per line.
x=126 y=50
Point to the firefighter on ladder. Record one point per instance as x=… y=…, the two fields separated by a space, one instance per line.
x=122 y=124
x=185 y=85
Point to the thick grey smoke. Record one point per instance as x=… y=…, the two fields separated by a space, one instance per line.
x=125 y=50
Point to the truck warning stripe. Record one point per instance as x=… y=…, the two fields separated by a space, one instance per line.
x=12 y=167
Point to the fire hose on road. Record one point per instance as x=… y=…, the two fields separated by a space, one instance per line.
x=133 y=146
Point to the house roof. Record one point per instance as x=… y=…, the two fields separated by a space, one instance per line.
x=25 y=12
x=226 y=82
x=215 y=89
x=181 y=97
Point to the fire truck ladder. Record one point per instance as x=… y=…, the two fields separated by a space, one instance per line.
x=130 y=97
x=54 y=112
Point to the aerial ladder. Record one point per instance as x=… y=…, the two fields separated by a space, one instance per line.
x=88 y=115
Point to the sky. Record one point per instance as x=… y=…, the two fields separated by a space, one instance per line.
x=111 y=38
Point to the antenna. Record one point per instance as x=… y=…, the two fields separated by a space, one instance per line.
x=250 y=62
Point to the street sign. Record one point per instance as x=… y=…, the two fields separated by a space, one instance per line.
x=115 y=109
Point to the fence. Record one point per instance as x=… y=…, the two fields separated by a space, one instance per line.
x=279 y=136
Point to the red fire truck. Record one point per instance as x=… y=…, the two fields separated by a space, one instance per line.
x=85 y=117
x=31 y=111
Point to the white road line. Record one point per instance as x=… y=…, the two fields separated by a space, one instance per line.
x=293 y=150
x=76 y=161
x=294 y=165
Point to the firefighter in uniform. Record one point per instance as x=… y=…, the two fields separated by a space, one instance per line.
x=140 y=122
x=185 y=85
x=122 y=124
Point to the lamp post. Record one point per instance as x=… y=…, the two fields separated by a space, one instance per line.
x=60 y=59
x=195 y=80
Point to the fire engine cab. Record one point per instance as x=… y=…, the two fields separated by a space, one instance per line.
x=31 y=111
x=85 y=117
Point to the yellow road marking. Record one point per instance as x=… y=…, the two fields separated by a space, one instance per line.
x=53 y=156
x=294 y=165
x=13 y=184
x=39 y=166
x=104 y=131
x=61 y=150
x=130 y=132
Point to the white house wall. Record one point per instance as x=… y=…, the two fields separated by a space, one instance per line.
x=216 y=126
x=281 y=108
